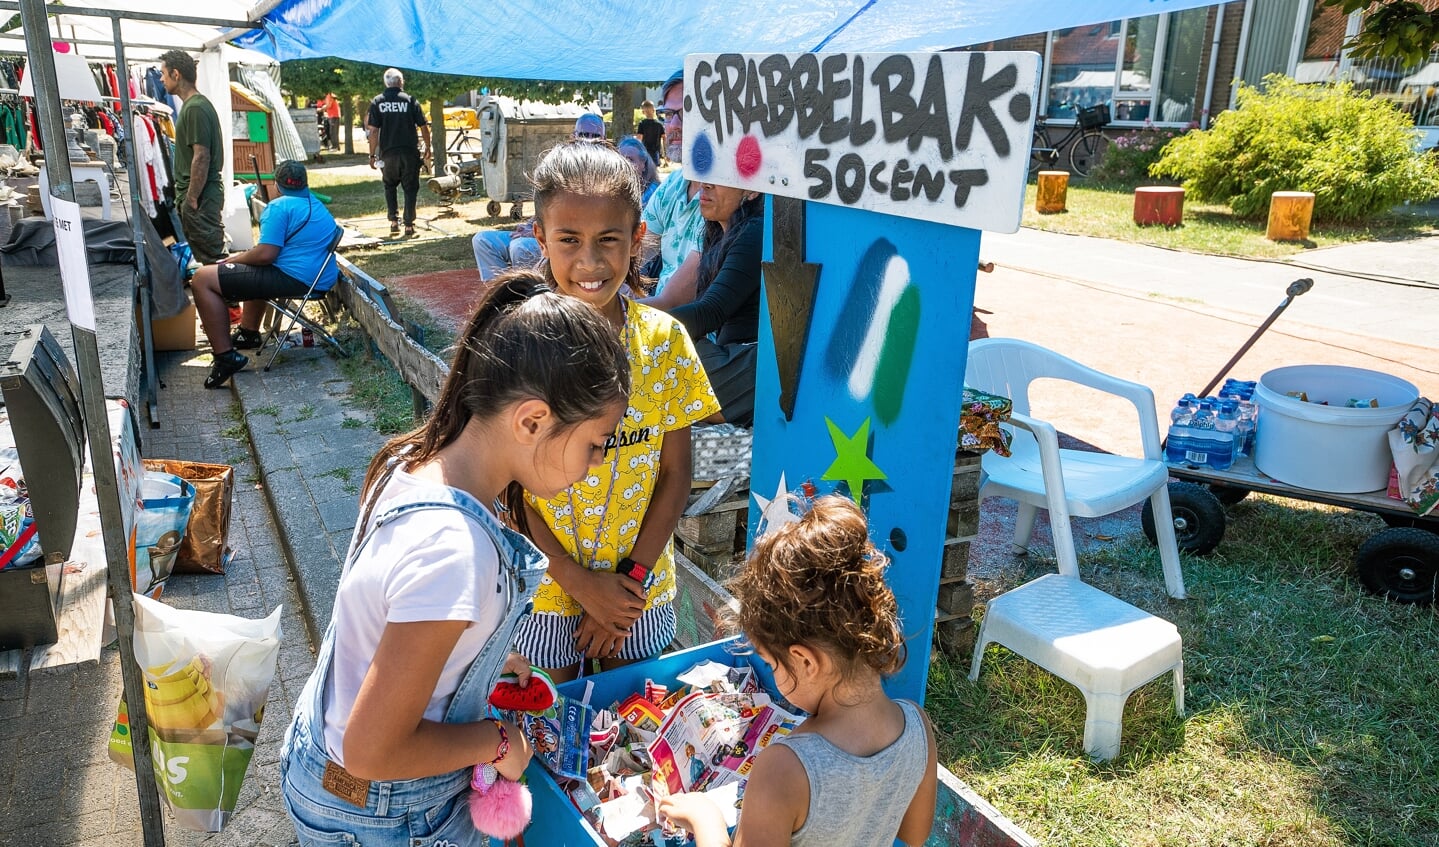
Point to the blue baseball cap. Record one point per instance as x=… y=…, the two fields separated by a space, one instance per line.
x=590 y=127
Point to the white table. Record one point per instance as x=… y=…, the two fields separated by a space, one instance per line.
x=81 y=172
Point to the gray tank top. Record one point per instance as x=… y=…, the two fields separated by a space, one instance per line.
x=859 y=801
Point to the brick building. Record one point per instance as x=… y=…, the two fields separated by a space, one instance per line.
x=1179 y=68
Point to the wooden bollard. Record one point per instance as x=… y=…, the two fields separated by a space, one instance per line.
x=1289 y=215
x=1053 y=190
x=1158 y=204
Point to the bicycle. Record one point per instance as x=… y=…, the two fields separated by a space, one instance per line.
x=461 y=146
x=1085 y=141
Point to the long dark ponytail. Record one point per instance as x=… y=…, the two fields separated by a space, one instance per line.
x=523 y=341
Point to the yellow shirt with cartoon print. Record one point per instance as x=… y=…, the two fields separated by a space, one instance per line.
x=598 y=518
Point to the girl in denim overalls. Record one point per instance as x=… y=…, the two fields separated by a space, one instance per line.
x=392 y=720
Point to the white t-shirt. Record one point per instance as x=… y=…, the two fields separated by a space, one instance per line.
x=428 y=565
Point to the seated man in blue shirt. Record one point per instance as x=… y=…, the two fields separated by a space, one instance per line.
x=295 y=234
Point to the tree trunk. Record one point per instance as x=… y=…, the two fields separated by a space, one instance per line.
x=622 y=119
x=1158 y=205
x=1053 y=190
x=347 y=117
x=437 y=135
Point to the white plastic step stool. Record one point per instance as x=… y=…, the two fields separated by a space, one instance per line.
x=1096 y=642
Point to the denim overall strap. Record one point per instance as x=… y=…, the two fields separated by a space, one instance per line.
x=523 y=565
x=314 y=695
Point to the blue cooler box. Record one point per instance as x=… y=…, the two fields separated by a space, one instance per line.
x=555 y=821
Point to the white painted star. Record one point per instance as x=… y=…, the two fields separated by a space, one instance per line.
x=775 y=512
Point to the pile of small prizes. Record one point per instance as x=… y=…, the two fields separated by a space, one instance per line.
x=614 y=762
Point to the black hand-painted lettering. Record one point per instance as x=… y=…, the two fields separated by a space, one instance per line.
x=755 y=111
x=964 y=180
x=979 y=97
x=835 y=90
x=705 y=93
x=874 y=172
x=731 y=70
x=849 y=178
x=894 y=77
x=816 y=171
x=931 y=183
x=775 y=71
x=931 y=116
x=808 y=101
x=860 y=130
x=899 y=183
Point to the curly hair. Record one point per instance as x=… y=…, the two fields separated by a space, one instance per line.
x=820 y=582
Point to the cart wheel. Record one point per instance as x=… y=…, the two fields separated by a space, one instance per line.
x=1198 y=518
x=1400 y=563
x=493 y=208
x=517 y=212
x=1228 y=495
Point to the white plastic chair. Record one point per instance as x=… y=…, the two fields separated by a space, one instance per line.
x=1098 y=643
x=1087 y=484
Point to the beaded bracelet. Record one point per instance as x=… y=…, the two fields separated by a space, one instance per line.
x=504 y=747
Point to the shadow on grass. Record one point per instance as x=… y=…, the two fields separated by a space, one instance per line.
x=1302 y=698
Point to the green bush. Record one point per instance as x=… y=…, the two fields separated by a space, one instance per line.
x=1357 y=154
x=1131 y=154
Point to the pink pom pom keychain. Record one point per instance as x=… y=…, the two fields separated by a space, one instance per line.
x=500 y=807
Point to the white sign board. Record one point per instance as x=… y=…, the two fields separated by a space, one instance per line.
x=74 y=262
x=938 y=136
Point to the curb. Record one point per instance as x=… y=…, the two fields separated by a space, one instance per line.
x=298 y=461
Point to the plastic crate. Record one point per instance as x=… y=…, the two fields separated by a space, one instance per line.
x=1094 y=117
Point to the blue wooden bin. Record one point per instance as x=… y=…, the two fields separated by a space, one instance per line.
x=555 y=821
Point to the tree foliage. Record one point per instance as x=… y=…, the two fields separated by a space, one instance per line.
x=1392 y=29
x=314 y=77
x=1355 y=152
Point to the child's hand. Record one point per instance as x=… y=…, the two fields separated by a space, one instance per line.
x=695 y=812
x=513 y=765
x=615 y=600
x=520 y=667
x=596 y=640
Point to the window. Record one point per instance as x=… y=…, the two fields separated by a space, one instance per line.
x=1145 y=69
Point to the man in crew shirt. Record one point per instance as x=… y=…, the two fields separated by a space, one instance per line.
x=394 y=116
x=199 y=156
x=295 y=234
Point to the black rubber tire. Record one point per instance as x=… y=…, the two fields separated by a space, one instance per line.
x=1400 y=564
x=493 y=208
x=1228 y=495
x=1087 y=152
x=1198 y=518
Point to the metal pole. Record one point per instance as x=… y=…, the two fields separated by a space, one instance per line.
x=97 y=426
x=152 y=17
x=142 y=262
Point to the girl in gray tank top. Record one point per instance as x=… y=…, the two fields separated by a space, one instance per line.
x=861 y=769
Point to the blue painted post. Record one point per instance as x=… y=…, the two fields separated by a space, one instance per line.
x=882 y=170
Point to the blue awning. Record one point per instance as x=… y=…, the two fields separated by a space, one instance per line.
x=626 y=40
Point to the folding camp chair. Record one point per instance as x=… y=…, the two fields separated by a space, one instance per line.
x=290 y=311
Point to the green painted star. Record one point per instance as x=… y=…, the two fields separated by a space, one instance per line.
x=851 y=459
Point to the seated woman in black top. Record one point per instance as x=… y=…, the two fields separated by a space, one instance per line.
x=723 y=317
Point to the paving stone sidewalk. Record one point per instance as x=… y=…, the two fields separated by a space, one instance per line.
x=58 y=785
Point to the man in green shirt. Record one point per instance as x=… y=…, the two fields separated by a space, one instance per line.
x=199 y=154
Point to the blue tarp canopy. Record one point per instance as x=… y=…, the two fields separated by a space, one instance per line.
x=628 y=40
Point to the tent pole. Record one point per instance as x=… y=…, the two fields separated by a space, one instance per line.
x=142 y=262
x=97 y=426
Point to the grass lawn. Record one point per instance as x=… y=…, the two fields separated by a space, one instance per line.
x=1108 y=212
x=1310 y=704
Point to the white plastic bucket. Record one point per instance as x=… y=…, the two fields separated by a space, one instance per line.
x=1328 y=447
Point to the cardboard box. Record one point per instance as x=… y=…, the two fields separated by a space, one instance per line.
x=177 y=333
